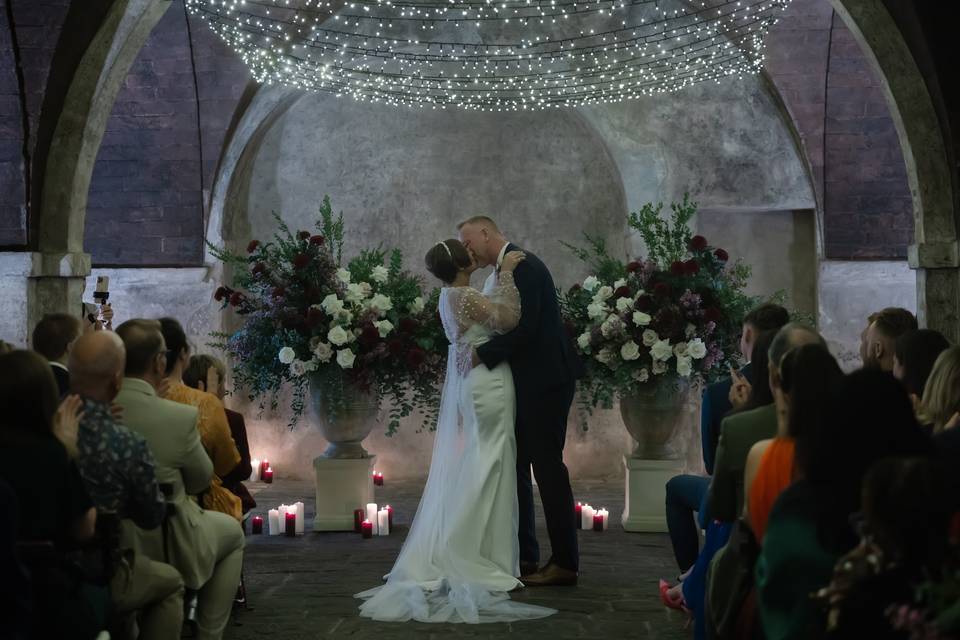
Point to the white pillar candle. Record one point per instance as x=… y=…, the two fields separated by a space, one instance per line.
x=606 y=518
x=255 y=476
x=372 y=515
x=586 y=520
x=299 y=506
x=383 y=523
x=274 y=515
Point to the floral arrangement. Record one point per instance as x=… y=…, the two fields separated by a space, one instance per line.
x=670 y=317
x=365 y=327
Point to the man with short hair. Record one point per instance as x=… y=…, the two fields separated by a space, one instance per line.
x=205 y=546
x=118 y=470
x=881 y=338
x=52 y=338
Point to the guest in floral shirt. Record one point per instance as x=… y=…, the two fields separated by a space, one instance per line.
x=118 y=470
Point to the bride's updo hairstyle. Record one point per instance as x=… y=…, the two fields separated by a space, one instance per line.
x=445 y=259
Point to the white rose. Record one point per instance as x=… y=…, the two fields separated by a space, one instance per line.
x=596 y=310
x=287 y=355
x=680 y=349
x=380 y=274
x=297 y=368
x=696 y=349
x=591 y=283
x=344 y=317
x=641 y=319
x=603 y=293
x=641 y=376
x=381 y=303
x=684 y=366
x=338 y=336
x=624 y=304
x=343 y=276
x=619 y=283
x=659 y=367
x=345 y=358
x=417 y=305
x=323 y=352
x=358 y=292
x=332 y=305
x=650 y=337
x=661 y=350
x=630 y=350
x=611 y=326
x=584 y=340
x=606 y=356
x=384 y=327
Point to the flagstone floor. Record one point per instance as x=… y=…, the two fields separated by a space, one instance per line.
x=303 y=587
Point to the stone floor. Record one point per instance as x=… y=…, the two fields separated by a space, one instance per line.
x=302 y=587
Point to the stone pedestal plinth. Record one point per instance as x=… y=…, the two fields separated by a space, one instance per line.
x=646 y=482
x=343 y=484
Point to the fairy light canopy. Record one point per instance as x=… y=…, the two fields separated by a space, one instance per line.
x=493 y=55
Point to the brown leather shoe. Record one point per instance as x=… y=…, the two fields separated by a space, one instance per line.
x=551 y=576
x=528 y=568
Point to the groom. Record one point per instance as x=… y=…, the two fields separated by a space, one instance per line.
x=545 y=369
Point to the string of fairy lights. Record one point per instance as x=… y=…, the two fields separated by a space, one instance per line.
x=493 y=55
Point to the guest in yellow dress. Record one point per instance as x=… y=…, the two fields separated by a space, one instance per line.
x=213 y=425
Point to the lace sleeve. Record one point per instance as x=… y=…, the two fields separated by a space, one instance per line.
x=500 y=312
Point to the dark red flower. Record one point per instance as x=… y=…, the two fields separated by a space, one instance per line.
x=415 y=357
x=395 y=347
x=258 y=269
x=314 y=316
x=575 y=288
x=278 y=292
x=369 y=336
x=634 y=266
x=312 y=294
x=697 y=243
x=316 y=240
x=408 y=325
x=622 y=292
x=220 y=293
x=721 y=255
x=677 y=268
x=236 y=298
x=301 y=261
x=692 y=267
x=304 y=235
x=661 y=289
x=712 y=314
x=644 y=303
x=253 y=246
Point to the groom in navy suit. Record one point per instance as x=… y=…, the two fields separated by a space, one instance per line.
x=545 y=369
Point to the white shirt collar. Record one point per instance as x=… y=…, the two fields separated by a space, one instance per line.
x=59 y=366
x=503 y=252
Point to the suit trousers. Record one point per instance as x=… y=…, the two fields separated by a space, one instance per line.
x=217 y=594
x=686 y=495
x=155 y=590
x=541 y=435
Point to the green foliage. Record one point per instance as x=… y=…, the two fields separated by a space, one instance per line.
x=666 y=241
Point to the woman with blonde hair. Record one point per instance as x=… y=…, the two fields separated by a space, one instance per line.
x=941 y=396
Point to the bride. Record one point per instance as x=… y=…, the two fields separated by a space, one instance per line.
x=461 y=556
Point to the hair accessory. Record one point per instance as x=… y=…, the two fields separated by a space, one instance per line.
x=447 y=248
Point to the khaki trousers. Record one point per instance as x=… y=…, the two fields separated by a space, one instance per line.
x=216 y=596
x=155 y=590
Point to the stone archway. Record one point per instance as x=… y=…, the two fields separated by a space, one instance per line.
x=934 y=254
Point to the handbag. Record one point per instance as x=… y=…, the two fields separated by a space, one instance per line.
x=730 y=581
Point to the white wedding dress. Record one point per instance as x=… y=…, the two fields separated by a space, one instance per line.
x=461 y=556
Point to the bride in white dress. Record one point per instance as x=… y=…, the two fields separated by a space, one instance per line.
x=461 y=556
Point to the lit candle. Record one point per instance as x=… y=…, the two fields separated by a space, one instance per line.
x=291 y=528
x=264 y=465
x=578 y=510
x=274 y=515
x=300 y=523
x=378 y=478
x=267 y=475
x=372 y=515
x=587 y=520
x=359 y=515
x=257 y=525
x=366 y=529
x=606 y=518
x=598 y=522
x=389 y=516
x=255 y=474
x=383 y=523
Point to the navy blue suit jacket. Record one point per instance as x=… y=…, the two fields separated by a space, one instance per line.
x=715 y=406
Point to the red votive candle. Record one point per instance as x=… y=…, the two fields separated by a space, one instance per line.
x=598 y=522
x=264 y=465
x=291 y=524
x=366 y=529
x=358 y=517
x=389 y=516
x=257 y=525
x=578 y=510
x=377 y=479
x=267 y=475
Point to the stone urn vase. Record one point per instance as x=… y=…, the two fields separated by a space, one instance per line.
x=344 y=416
x=652 y=416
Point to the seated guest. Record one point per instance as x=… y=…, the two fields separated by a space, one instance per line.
x=913 y=358
x=14 y=601
x=888 y=325
x=37 y=439
x=865 y=417
x=213 y=426
x=118 y=470
x=687 y=494
x=205 y=546
x=207 y=373
x=863 y=336
x=52 y=338
x=5 y=347
x=941 y=395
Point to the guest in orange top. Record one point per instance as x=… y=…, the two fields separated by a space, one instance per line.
x=801 y=380
x=213 y=426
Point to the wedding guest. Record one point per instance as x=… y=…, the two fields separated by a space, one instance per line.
x=941 y=395
x=14 y=601
x=213 y=425
x=38 y=439
x=687 y=494
x=52 y=338
x=887 y=325
x=5 y=347
x=205 y=546
x=118 y=471
x=914 y=354
x=865 y=417
x=863 y=336
x=207 y=373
